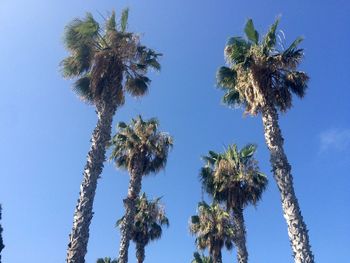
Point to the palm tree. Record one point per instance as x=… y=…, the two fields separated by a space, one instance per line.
x=101 y=61
x=1 y=241
x=233 y=177
x=213 y=228
x=200 y=258
x=140 y=149
x=106 y=260
x=147 y=225
x=262 y=78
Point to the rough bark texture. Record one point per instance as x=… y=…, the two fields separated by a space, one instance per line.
x=217 y=257
x=1 y=240
x=297 y=230
x=130 y=209
x=242 y=252
x=78 y=239
x=140 y=252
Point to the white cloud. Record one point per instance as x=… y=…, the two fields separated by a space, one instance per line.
x=335 y=139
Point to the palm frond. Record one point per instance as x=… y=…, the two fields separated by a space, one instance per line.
x=226 y=78
x=297 y=82
x=251 y=33
x=293 y=46
x=111 y=24
x=234 y=179
x=269 y=41
x=236 y=50
x=137 y=86
x=82 y=89
x=124 y=20
x=232 y=98
x=81 y=32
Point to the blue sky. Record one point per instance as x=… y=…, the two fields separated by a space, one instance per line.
x=45 y=129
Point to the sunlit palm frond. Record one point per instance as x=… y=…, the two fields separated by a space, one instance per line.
x=110 y=57
x=259 y=73
x=234 y=178
x=141 y=138
x=212 y=227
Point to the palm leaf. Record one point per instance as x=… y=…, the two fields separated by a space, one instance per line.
x=124 y=19
x=236 y=50
x=226 y=77
x=297 y=81
x=269 y=41
x=137 y=86
x=232 y=98
x=293 y=46
x=82 y=89
x=111 y=24
x=250 y=32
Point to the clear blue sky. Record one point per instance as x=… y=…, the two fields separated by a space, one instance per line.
x=45 y=130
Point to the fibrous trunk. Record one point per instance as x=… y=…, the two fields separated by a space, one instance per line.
x=140 y=252
x=1 y=240
x=78 y=239
x=217 y=257
x=297 y=230
x=130 y=209
x=242 y=252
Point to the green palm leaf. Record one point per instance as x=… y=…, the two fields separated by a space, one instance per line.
x=250 y=32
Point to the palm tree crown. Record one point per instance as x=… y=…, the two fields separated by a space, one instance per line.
x=149 y=219
x=97 y=57
x=141 y=139
x=200 y=258
x=233 y=176
x=213 y=228
x=260 y=72
x=106 y=260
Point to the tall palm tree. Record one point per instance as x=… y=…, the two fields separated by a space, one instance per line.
x=213 y=228
x=233 y=177
x=140 y=149
x=147 y=226
x=200 y=258
x=106 y=64
x=1 y=241
x=262 y=78
x=106 y=260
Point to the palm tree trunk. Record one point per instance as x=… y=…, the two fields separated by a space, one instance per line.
x=1 y=240
x=140 y=252
x=217 y=257
x=242 y=252
x=297 y=230
x=130 y=209
x=78 y=239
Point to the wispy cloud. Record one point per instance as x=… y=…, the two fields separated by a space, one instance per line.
x=335 y=139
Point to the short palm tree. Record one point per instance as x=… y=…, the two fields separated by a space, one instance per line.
x=262 y=78
x=140 y=149
x=147 y=226
x=1 y=241
x=106 y=260
x=106 y=64
x=200 y=258
x=233 y=177
x=213 y=228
